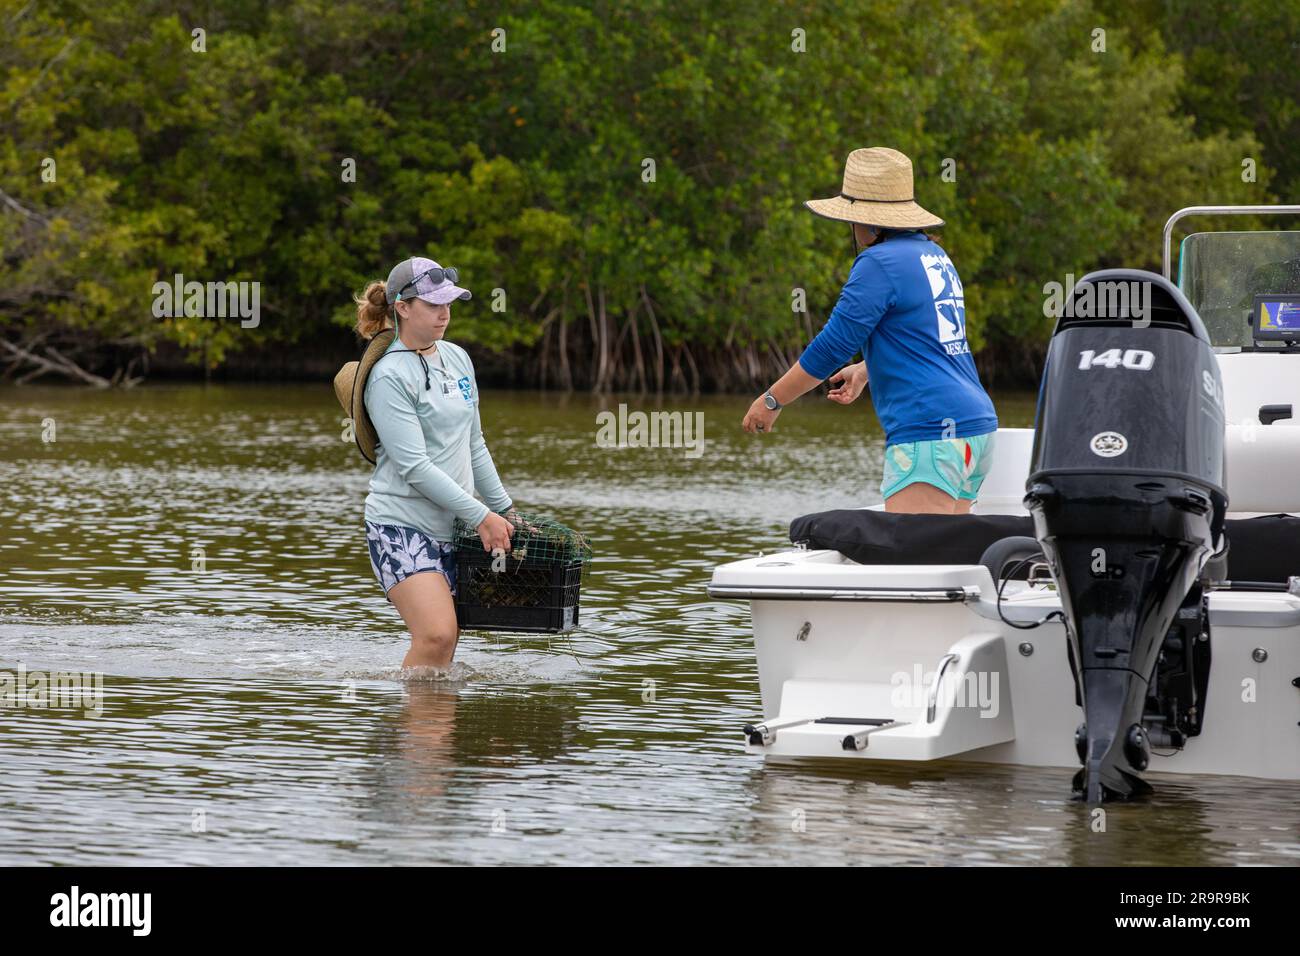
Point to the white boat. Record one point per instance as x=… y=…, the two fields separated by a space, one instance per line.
x=1125 y=595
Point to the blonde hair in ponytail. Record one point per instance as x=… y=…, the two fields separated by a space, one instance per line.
x=372 y=310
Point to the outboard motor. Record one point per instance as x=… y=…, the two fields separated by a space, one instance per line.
x=1126 y=492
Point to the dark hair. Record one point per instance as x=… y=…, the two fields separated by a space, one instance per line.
x=888 y=232
x=885 y=233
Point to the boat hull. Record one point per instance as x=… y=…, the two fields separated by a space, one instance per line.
x=853 y=651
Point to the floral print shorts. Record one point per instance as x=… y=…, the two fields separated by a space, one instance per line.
x=956 y=466
x=397 y=552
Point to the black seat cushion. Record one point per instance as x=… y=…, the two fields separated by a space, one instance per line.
x=1263 y=549
x=879 y=537
x=1260 y=549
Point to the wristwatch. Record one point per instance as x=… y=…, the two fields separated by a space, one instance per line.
x=770 y=401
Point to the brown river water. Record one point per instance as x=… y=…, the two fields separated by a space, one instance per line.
x=253 y=713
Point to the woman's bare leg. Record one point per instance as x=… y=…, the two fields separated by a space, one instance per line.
x=920 y=498
x=424 y=600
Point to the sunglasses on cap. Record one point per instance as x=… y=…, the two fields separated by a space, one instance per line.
x=436 y=275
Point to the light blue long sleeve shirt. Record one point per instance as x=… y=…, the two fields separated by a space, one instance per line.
x=431 y=458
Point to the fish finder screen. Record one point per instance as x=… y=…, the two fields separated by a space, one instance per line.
x=1277 y=317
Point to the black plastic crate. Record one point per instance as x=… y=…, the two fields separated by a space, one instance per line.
x=523 y=596
x=533 y=588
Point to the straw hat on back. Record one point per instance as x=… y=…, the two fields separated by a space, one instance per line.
x=877 y=191
x=349 y=388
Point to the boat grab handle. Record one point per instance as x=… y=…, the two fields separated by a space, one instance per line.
x=967 y=592
x=933 y=704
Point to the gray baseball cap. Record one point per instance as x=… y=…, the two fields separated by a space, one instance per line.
x=437 y=293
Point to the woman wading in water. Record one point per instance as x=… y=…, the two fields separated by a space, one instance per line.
x=414 y=405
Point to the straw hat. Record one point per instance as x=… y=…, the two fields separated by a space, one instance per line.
x=877 y=191
x=350 y=389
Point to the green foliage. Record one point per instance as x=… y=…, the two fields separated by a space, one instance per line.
x=526 y=168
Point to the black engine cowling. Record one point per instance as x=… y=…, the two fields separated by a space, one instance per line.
x=1126 y=493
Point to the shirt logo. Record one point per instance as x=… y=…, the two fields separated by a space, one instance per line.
x=465 y=389
x=949 y=299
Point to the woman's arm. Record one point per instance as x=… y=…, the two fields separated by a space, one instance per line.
x=793 y=384
x=486 y=480
x=393 y=413
x=866 y=297
x=788 y=387
x=864 y=300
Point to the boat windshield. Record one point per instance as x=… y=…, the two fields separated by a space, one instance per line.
x=1222 y=272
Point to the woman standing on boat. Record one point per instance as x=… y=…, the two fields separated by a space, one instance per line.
x=419 y=415
x=903 y=309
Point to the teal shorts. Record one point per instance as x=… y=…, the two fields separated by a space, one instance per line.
x=956 y=466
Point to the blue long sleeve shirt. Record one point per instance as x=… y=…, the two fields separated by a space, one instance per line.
x=903 y=308
x=431 y=458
